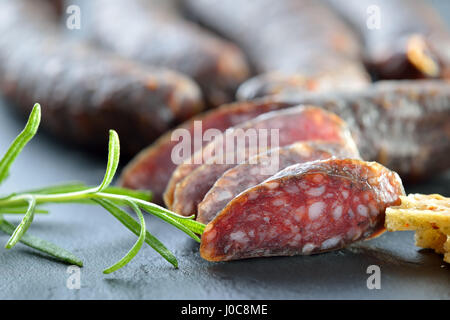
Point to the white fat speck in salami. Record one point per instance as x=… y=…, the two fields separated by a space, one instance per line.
x=362 y=210
x=278 y=202
x=315 y=192
x=337 y=212
x=239 y=236
x=316 y=209
x=330 y=243
x=308 y=248
x=272 y=185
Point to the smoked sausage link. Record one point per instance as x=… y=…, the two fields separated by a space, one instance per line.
x=154 y=32
x=85 y=92
x=288 y=43
x=404 y=39
x=305 y=209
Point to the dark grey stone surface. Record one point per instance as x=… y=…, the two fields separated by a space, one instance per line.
x=96 y=237
x=406 y=271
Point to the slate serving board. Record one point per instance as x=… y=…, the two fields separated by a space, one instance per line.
x=406 y=271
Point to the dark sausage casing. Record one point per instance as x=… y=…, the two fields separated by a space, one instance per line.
x=153 y=32
x=404 y=39
x=287 y=43
x=85 y=92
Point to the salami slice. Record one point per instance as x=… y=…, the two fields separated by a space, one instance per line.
x=305 y=209
x=287 y=42
x=260 y=167
x=152 y=168
x=295 y=124
x=83 y=91
x=404 y=39
x=155 y=33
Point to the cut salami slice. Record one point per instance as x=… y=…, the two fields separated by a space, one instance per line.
x=295 y=124
x=259 y=168
x=152 y=167
x=305 y=209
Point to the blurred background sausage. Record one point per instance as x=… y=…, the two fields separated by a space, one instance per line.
x=155 y=33
x=85 y=92
x=404 y=39
x=288 y=42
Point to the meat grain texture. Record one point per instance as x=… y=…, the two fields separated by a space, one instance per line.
x=305 y=209
x=192 y=179
x=260 y=167
x=152 y=168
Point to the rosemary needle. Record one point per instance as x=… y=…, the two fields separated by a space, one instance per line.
x=137 y=246
x=42 y=245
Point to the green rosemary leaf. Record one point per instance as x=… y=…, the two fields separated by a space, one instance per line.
x=133 y=226
x=193 y=225
x=20 y=142
x=23 y=225
x=180 y=224
x=113 y=160
x=137 y=246
x=21 y=210
x=42 y=245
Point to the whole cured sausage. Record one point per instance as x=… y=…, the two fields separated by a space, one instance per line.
x=404 y=39
x=153 y=32
x=288 y=40
x=83 y=91
x=305 y=209
x=152 y=167
x=294 y=124
x=257 y=169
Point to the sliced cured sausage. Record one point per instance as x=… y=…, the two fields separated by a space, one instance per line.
x=402 y=124
x=292 y=125
x=305 y=209
x=84 y=91
x=155 y=33
x=404 y=39
x=288 y=42
x=152 y=168
x=260 y=167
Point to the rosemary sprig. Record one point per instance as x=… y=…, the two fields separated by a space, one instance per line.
x=110 y=198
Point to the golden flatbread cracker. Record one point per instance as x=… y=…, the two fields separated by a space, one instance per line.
x=431 y=239
x=419 y=211
x=429 y=216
